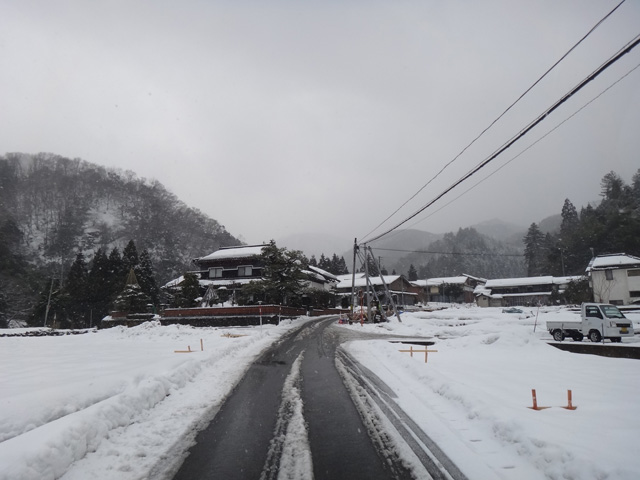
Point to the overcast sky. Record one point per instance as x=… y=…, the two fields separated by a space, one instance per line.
x=283 y=117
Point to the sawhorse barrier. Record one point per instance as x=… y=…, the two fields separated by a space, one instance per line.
x=425 y=351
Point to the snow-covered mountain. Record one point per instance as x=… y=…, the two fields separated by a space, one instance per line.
x=61 y=207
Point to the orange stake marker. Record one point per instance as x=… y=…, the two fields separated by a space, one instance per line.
x=535 y=401
x=569 y=404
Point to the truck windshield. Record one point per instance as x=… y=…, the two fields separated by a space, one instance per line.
x=612 y=312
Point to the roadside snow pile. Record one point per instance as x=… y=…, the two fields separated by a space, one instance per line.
x=116 y=403
x=472 y=395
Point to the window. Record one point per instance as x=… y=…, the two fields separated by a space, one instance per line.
x=634 y=293
x=245 y=271
x=593 y=312
x=608 y=274
x=612 y=312
x=215 y=272
x=633 y=273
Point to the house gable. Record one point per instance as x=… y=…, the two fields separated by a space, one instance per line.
x=228 y=264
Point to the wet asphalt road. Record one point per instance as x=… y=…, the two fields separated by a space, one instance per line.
x=236 y=443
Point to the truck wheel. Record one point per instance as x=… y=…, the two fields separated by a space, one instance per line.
x=595 y=336
x=558 y=335
x=577 y=337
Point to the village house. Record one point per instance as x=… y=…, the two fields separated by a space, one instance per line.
x=525 y=291
x=402 y=291
x=458 y=289
x=229 y=268
x=615 y=278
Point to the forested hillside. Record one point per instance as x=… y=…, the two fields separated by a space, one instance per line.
x=612 y=226
x=52 y=208
x=465 y=251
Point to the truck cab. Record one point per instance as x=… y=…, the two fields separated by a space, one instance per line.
x=601 y=320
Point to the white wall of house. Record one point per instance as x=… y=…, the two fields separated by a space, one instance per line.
x=616 y=285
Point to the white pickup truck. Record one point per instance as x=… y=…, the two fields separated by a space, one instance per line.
x=597 y=321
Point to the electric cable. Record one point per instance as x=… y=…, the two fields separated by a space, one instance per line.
x=530 y=146
x=469 y=254
x=497 y=118
x=626 y=49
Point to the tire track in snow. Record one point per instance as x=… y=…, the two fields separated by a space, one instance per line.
x=390 y=427
x=289 y=455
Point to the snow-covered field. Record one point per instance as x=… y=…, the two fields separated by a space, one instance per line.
x=120 y=404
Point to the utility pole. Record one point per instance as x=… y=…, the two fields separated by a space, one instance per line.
x=46 y=312
x=388 y=292
x=368 y=282
x=353 y=275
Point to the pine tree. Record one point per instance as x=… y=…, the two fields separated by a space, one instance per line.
x=116 y=274
x=335 y=264
x=130 y=257
x=534 y=251
x=372 y=266
x=132 y=299
x=188 y=293
x=324 y=263
x=312 y=261
x=412 y=275
x=342 y=267
x=282 y=274
x=612 y=186
x=98 y=292
x=145 y=277
x=570 y=220
x=75 y=293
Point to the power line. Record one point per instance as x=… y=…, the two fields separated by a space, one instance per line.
x=453 y=253
x=532 y=145
x=626 y=49
x=497 y=118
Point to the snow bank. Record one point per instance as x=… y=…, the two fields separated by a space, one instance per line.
x=69 y=406
x=472 y=395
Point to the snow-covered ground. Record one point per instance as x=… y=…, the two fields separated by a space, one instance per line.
x=121 y=404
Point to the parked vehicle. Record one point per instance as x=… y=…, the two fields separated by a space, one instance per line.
x=597 y=321
x=511 y=310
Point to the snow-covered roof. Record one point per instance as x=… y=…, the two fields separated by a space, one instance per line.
x=518 y=282
x=175 y=282
x=361 y=281
x=324 y=273
x=449 y=280
x=481 y=290
x=241 y=251
x=347 y=276
x=477 y=279
x=311 y=275
x=216 y=282
x=526 y=294
x=227 y=282
x=566 y=280
x=617 y=260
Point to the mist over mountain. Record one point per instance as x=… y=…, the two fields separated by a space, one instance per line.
x=501 y=230
x=316 y=244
